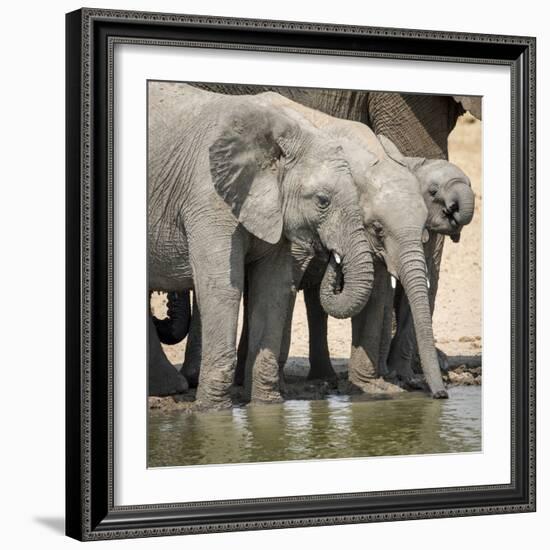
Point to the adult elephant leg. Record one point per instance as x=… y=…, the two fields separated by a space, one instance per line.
x=193 y=349
x=163 y=378
x=320 y=367
x=367 y=338
x=267 y=314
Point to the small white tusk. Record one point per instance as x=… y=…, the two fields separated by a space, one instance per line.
x=428 y=282
x=337 y=258
x=393 y=282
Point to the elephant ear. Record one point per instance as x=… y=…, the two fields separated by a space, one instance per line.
x=391 y=149
x=245 y=167
x=414 y=163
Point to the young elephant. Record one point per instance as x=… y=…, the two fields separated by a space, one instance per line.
x=448 y=196
x=233 y=180
x=450 y=200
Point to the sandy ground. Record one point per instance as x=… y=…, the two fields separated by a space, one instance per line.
x=457 y=317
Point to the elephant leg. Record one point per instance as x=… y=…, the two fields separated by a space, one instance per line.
x=269 y=292
x=386 y=335
x=193 y=349
x=287 y=339
x=287 y=333
x=317 y=320
x=218 y=277
x=163 y=378
x=219 y=356
x=367 y=329
x=403 y=346
x=243 y=342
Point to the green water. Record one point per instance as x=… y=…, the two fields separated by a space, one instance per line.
x=336 y=427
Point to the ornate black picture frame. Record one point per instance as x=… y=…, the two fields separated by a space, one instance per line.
x=90 y=510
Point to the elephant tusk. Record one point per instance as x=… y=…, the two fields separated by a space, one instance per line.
x=428 y=282
x=337 y=258
x=393 y=281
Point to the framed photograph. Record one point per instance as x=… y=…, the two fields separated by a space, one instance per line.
x=300 y=274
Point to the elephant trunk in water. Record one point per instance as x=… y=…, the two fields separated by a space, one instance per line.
x=412 y=274
x=460 y=202
x=347 y=282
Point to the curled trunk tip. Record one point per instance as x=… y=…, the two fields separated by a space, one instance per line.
x=346 y=287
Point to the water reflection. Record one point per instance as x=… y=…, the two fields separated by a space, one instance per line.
x=337 y=427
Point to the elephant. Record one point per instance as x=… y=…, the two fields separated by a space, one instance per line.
x=394 y=216
x=450 y=200
x=233 y=181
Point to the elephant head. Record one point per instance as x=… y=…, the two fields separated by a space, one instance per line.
x=395 y=216
x=282 y=176
x=448 y=194
x=446 y=189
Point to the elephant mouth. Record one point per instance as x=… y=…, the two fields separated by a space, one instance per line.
x=338 y=282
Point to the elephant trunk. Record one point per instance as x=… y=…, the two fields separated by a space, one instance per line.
x=347 y=282
x=412 y=274
x=460 y=203
x=174 y=328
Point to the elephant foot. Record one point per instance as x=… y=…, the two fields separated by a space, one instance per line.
x=417 y=382
x=201 y=405
x=191 y=373
x=443 y=360
x=409 y=382
x=401 y=369
x=240 y=373
x=165 y=380
x=266 y=398
x=322 y=371
x=440 y=394
x=377 y=386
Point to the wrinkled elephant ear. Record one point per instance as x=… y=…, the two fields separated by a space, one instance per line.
x=391 y=149
x=414 y=163
x=245 y=167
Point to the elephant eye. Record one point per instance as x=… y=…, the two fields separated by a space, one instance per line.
x=322 y=200
x=434 y=188
x=378 y=229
